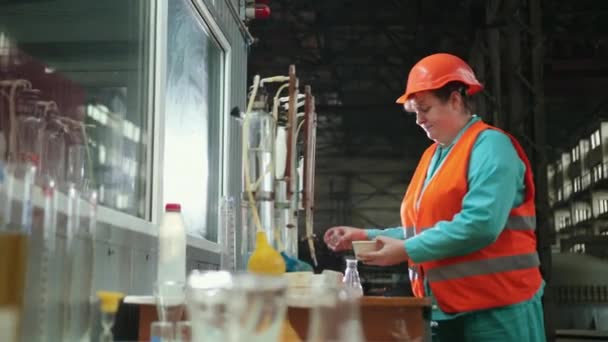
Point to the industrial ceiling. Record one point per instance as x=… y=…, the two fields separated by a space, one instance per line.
x=356 y=55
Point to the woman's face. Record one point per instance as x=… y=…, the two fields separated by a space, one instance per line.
x=440 y=120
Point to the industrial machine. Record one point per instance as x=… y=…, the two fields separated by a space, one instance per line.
x=278 y=164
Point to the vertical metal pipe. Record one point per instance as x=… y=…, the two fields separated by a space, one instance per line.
x=540 y=161
x=310 y=118
x=291 y=169
x=516 y=109
x=493 y=37
x=477 y=62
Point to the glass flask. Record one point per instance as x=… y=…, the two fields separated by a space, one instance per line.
x=351 y=278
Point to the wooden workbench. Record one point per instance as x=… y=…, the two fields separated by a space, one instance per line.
x=383 y=319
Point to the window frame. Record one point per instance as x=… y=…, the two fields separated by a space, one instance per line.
x=157 y=39
x=155 y=66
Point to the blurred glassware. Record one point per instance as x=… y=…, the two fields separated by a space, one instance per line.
x=335 y=312
x=29 y=124
x=53 y=149
x=76 y=166
x=170 y=297
x=162 y=332
x=109 y=302
x=351 y=278
x=183 y=331
x=226 y=307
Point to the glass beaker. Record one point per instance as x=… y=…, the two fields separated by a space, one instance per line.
x=334 y=314
x=207 y=295
x=225 y=307
x=257 y=307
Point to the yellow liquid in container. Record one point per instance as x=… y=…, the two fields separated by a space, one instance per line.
x=13 y=269
x=265 y=259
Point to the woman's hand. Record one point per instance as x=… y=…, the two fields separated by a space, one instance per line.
x=340 y=238
x=391 y=252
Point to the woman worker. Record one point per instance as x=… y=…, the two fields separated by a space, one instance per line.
x=468 y=216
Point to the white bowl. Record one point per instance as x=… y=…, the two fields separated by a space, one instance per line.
x=364 y=247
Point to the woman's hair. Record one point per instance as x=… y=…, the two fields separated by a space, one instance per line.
x=446 y=91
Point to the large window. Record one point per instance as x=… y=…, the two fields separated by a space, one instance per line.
x=567 y=190
x=563 y=222
x=576 y=153
x=193 y=109
x=595 y=139
x=74 y=79
x=581 y=214
x=603 y=206
x=577 y=184
x=578 y=248
x=597 y=171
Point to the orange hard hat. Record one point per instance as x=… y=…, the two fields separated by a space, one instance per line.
x=435 y=71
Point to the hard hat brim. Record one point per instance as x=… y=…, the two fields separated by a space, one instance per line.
x=402 y=99
x=473 y=88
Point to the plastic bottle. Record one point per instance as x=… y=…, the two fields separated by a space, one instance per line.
x=172 y=246
x=351 y=278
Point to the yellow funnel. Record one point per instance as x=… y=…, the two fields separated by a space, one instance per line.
x=265 y=259
x=109 y=301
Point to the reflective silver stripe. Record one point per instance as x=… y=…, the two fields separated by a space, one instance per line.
x=414 y=272
x=409 y=232
x=521 y=222
x=486 y=266
x=513 y=222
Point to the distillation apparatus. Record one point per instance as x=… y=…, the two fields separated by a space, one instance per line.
x=278 y=165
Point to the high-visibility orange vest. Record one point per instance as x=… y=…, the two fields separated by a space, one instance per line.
x=503 y=273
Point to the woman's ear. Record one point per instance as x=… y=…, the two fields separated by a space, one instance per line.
x=456 y=101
